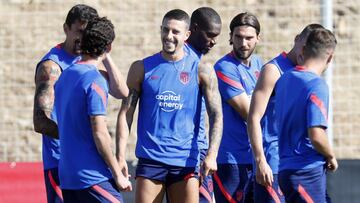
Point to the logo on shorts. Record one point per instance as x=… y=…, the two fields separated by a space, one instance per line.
x=184 y=78
x=169 y=101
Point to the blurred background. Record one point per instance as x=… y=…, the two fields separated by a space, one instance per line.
x=29 y=28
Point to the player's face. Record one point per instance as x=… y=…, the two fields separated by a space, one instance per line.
x=74 y=35
x=244 y=39
x=173 y=35
x=207 y=38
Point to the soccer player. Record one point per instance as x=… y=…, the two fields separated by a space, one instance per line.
x=170 y=86
x=47 y=72
x=205 y=27
x=237 y=74
x=301 y=108
x=262 y=127
x=88 y=170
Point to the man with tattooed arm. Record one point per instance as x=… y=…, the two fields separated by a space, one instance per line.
x=169 y=86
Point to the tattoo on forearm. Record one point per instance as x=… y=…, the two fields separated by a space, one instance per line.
x=215 y=121
x=132 y=99
x=44 y=97
x=213 y=104
x=44 y=125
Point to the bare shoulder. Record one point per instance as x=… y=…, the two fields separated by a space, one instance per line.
x=47 y=71
x=136 y=72
x=206 y=72
x=268 y=76
x=137 y=66
x=270 y=71
x=134 y=80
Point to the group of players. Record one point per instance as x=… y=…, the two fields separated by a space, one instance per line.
x=267 y=140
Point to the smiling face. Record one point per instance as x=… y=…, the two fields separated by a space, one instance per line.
x=174 y=33
x=244 y=40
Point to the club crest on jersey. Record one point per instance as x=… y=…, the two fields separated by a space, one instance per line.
x=184 y=77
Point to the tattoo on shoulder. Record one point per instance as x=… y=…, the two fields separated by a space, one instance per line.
x=208 y=80
x=46 y=76
x=204 y=68
x=47 y=73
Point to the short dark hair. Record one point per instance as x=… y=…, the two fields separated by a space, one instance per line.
x=308 y=29
x=98 y=34
x=204 y=16
x=178 y=14
x=319 y=43
x=245 y=19
x=80 y=12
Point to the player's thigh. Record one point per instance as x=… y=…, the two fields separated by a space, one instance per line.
x=184 y=191
x=148 y=190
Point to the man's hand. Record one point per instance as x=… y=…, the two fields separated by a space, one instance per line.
x=124 y=167
x=208 y=167
x=331 y=164
x=264 y=174
x=123 y=183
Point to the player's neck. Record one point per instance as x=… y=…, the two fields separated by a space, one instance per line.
x=245 y=62
x=292 y=56
x=91 y=60
x=173 y=56
x=315 y=66
x=68 y=48
x=191 y=41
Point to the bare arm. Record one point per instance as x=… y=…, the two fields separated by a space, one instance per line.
x=209 y=88
x=117 y=84
x=321 y=144
x=260 y=98
x=241 y=104
x=102 y=140
x=126 y=113
x=46 y=75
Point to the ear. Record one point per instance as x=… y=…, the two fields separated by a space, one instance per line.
x=300 y=57
x=194 y=28
x=108 y=48
x=329 y=59
x=296 y=38
x=230 y=40
x=65 y=28
x=257 y=39
x=187 y=34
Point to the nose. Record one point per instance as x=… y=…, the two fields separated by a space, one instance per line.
x=213 y=42
x=169 y=35
x=243 y=42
